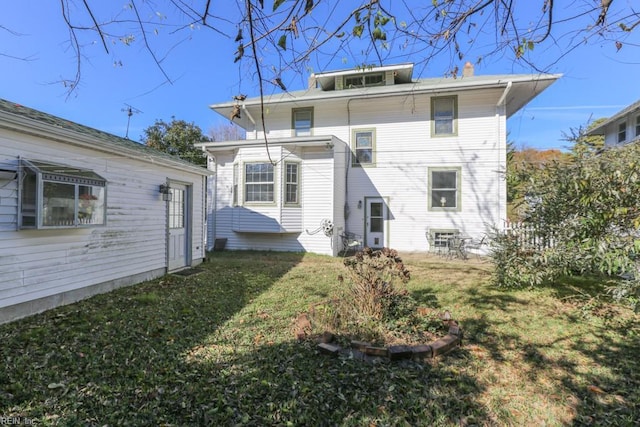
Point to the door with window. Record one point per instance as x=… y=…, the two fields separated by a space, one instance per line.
x=376 y=217
x=179 y=253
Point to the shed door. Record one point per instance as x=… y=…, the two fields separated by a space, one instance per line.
x=179 y=226
x=375 y=222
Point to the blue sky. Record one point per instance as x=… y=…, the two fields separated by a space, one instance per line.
x=598 y=81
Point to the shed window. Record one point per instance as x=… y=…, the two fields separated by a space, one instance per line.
x=57 y=196
x=637 y=126
x=622 y=132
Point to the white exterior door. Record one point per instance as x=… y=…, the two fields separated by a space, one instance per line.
x=179 y=226
x=376 y=217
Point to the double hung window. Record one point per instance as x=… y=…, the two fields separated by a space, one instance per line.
x=363 y=147
x=444 y=111
x=444 y=189
x=302 y=121
x=292 y=183
x=258 y=183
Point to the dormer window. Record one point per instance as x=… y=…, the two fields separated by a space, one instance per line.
x=363 y=80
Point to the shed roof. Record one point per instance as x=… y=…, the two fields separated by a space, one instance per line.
x=600 y=129
x=24 y=119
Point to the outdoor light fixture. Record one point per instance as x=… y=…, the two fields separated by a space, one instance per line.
x=359 y=204
x=165 y=190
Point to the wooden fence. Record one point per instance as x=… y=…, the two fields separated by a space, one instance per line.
x=529 y=236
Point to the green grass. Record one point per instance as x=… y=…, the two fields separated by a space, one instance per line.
x=218 y=348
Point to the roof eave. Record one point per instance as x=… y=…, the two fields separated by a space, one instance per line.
x=45 y=130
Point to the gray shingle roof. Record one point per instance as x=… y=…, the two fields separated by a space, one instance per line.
x=111 y=141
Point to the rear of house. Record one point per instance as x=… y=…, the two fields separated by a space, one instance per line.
x=83 y=212
x=410 y=162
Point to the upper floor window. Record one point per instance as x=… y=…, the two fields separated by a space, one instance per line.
x=56 y=196
x=292 y=183
x=622 y=132
x=363 y=147
x=444 y=112
x=258 y=183
x=637 y=126
x=364 y=80
x=302 y=121
x=444 y=189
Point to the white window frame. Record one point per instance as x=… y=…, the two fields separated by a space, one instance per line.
x=271 y=183
x=637 y=126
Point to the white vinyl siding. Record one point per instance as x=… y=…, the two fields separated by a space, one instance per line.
x=37 y=264
x=404 y=152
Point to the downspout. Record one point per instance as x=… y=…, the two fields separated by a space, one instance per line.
x=211 y=160
x=255 y=129
x=500 y=105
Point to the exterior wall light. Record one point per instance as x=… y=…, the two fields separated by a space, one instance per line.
x=165 y=190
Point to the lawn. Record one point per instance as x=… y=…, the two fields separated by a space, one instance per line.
x=218 y=348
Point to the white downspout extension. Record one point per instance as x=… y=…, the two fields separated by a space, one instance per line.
x=255 y=129
x=502 y=153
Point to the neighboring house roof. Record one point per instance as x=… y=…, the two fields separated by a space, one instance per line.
x=522 y=88
x=601 y=128
x=24 y=119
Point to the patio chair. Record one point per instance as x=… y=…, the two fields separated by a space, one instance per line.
x=350 y=242
x=476 y=246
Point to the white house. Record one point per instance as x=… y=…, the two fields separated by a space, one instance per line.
x=621 y=128
x=371 y=152
x=83 y=212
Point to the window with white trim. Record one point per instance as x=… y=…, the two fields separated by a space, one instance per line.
x=363 y=147
x=444 y=189
x=57 y=196
x=622 y=132
x=302 y=121
x=444 y=112
x=637 y=126
x=258 y=183
x=292 y=183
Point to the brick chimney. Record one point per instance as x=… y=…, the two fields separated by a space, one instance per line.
x=467 y=71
